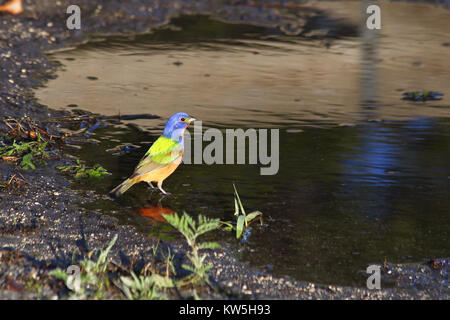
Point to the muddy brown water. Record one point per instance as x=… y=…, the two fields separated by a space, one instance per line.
x=359 y=182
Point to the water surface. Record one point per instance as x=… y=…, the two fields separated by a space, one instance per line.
x=359 y=181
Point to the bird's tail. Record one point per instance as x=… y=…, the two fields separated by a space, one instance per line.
x=121 y=188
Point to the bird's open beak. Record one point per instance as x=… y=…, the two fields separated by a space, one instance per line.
x=189 y=120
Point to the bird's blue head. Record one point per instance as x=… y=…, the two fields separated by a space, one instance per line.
x=176 y=125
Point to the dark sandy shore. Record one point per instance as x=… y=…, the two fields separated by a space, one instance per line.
x=40 y=223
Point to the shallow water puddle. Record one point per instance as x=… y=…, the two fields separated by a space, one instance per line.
x=351 y=189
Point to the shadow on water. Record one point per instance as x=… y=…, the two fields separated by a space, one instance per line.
x=351 y=189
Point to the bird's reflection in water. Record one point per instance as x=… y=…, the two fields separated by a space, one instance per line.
x=155 y=221
x=155 y=213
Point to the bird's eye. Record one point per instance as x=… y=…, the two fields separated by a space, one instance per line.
x=182 y=119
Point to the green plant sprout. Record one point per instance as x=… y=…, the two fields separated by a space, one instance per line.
x=94 y=281
x=191 y=230
x=31 y=153
x=79 y=170
x=93 y=276
x=145 y=287
x=242 y=219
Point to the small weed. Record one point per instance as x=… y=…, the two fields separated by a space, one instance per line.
x=12 y=183
x=155 y=248
x=243 y=219
x=145 y=287
x=191 y=230
x=30 y=154
x=93 y=280
x=34 y=286
x=79 y=170
x=170 y=268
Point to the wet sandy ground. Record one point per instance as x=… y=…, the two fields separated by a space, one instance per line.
x=40 y=224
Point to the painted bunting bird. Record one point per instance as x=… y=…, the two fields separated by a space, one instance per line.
x=162 y=158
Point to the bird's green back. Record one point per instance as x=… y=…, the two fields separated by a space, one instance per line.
x=163 y=151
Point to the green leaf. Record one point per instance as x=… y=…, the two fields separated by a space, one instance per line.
x=239 y=200
x=162 y=282
x=188 y=267
x=208 y=225
x=208 y=245
x=27 y=162
x=240 y=226
x=252 y=216
x=59 y=274
x=127 y=281
x=236 y=207
x=228 y=226
x=103 y=258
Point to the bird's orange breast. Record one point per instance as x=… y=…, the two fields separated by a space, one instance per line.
x=160 y=174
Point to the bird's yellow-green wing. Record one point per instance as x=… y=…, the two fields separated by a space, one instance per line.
x=162 y=152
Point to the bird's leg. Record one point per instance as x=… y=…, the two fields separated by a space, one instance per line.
x=160 y=188
x=150 y=184
x=161 y=198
